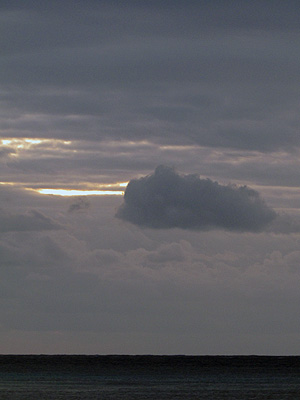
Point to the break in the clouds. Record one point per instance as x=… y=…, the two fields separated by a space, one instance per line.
x=166 y=199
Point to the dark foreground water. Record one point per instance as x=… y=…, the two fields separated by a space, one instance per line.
x=149 y=377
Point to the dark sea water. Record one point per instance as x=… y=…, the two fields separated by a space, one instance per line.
x=149 y=377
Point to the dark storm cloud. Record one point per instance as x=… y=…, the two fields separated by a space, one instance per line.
x=31 y=221
x=168 y=200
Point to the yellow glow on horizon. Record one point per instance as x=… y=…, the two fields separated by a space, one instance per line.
x=74 y=192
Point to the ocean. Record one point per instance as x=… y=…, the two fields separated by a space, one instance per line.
x=114 y=377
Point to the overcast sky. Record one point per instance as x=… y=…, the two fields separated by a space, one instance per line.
x=192 y=109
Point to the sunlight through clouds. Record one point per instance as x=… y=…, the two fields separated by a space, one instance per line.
x=28 y=143
x=66 y=192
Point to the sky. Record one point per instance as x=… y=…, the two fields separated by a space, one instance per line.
x=149 y=177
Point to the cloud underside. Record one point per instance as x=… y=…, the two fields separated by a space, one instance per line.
x=168 y=200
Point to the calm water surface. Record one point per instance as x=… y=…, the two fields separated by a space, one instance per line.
x=149 y=377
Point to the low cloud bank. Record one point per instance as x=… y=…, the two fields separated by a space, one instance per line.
x=166 y=199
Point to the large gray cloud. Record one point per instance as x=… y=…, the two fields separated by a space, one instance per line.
x=168 y=200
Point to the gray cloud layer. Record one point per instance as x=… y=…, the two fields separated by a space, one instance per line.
x=210 y=86
x=214 y=73
x=168 y=200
